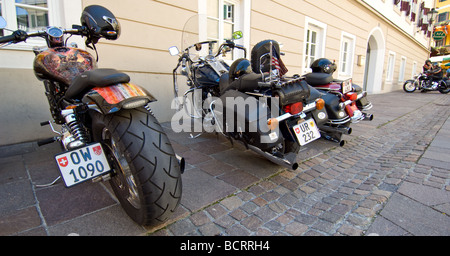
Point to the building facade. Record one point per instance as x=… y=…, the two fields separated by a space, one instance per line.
x=376 y=42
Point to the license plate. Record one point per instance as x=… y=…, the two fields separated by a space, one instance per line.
x=307 y=132
x=347 y=86
x=82 y=164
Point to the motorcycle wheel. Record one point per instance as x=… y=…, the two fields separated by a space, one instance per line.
x=445 y=90
x=147 y=175
x=409 y=86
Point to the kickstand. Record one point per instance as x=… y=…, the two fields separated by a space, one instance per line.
x=50 y=184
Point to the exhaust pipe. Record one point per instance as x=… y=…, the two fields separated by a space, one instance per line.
x=277 y=160
x=341 y=129
x=330 y=138
x=368 y=117
x=181 y=162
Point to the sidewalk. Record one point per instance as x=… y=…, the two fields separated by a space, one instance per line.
x=392 y=178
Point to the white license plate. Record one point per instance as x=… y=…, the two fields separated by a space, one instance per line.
x=307 y=132
x=347 y=86
x=82 y=164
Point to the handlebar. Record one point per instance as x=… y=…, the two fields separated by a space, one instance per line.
x=21 y=36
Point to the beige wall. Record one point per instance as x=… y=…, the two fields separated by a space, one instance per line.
x=284 y=21
x=149 y=28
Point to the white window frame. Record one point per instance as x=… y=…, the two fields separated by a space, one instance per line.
x=321 y=29
x=61 y=13
x=390 y=66
x=242 y=21
x=414 y=69
x=350 y=55
x=401 y=76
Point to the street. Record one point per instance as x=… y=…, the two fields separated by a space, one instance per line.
x=391 y=178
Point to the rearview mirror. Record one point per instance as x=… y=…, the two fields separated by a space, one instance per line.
x=2 y=22
x=174 y=51
x=237 y=35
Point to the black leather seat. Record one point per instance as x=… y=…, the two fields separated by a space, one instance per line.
x=101 y=77
x=316 y=79
x=246 y=83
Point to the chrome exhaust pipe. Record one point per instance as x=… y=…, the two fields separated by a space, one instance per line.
x=342 y=129
x=368 y=117
x=181 y=162
x=277 y=160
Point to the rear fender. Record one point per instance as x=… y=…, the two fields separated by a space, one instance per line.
x=116 y=97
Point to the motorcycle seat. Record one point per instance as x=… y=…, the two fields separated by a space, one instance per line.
x=101 y=77
x=246 y=83
x=316 y=79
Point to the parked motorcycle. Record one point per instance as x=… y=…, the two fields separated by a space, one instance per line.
x=248 y=101
x=351 y=96
x=424 y=82
x=107 y=128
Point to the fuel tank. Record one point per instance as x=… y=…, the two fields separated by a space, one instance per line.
x=63 y=64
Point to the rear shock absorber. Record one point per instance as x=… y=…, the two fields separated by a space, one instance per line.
x=78 y=136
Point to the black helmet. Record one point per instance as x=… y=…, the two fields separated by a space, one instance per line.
x=323 y=66
x=239 y=68
x=100 y=22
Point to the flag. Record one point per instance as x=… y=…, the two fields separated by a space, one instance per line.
x=278 y=63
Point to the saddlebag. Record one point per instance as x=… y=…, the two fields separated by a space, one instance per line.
x=246 y=115
x=293 y=92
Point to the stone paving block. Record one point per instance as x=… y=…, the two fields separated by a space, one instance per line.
x=206 y=191
x=407 y=214
x=20 y=220
x=424 y=194
x=60 y=204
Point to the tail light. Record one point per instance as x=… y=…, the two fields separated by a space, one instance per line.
x=294 y=109
x=352 y=96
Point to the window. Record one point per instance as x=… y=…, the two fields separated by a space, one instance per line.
x=314 y=44
x=414 y=69
x=28 y=15
x=401 y=77
x=347 y=54
x=390 y=67
x=1 y=14
x=221 y=20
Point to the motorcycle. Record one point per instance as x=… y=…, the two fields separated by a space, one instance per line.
x=248 y=102
x=424 y=82
x=352 y=99
x=107 y=129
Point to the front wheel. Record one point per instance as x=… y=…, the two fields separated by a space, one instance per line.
x=444 y=88
x=409 y=86
x=147 y=175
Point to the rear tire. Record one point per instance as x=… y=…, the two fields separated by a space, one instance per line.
x=147 y=177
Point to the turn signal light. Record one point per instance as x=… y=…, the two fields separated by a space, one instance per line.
x=320 y=104
x=272 y=123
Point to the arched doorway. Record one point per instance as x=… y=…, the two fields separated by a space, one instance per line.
x=373 y=75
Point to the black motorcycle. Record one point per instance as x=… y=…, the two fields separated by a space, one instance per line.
x=107 y=129
x=425 y=82
x=247 y=101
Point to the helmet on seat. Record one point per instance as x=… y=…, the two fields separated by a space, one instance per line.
x=323 y=66
x=100 y=23
x=239 y=68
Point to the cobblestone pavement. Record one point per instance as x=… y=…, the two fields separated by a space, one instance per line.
x=338 y=191
x=353 y=190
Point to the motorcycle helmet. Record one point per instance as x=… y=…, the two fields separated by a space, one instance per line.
x=239 y=68
x=100 y=23
x=323 y=66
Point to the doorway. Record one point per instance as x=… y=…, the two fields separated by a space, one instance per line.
x=373 y=75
